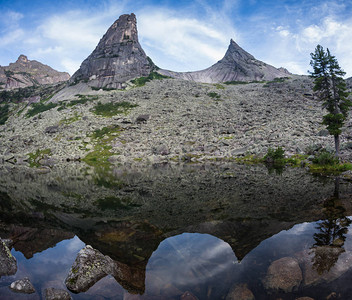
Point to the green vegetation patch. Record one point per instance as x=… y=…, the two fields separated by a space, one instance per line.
x=35 y=157
x=214 y=95
x=39 y=107
x=114 y=203
x=113 y=108
x=141 y=81
x=4 y=113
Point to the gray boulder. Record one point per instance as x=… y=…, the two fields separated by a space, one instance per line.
x=89 y=267
x=22 y=286
x=56 y=294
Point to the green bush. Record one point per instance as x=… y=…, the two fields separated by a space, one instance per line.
x=274 y=154
x=325 y=158
x=113 y=108
x=39 y=108
x=141 y=81
x=4 y=113
x=213 y=95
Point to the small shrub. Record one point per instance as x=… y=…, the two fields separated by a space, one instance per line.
x=4 y=113
x=213 y=95
x=325 y=158
x=141 y=81
x=274 y=155
x=40 y=107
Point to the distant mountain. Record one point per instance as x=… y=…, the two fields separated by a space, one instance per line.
x=237 y=65
x=25 y=72
x=117 y=58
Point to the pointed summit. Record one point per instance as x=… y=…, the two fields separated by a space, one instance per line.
x=117 y=58
x=22 y=59
x=236 y=65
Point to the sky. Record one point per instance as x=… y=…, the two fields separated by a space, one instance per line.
x=179 y=35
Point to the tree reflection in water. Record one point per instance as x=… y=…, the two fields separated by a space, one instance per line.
x=331 y=237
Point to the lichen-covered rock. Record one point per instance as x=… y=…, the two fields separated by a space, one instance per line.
x=22 y=286
x=8 y=263
x=283 y=275
x=56 y=294
x=118 y=57
x=89 y=267
x=240 y=292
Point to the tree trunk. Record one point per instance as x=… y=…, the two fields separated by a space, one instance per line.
x=337 y=145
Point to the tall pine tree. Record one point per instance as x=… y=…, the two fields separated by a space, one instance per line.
x=330 y=88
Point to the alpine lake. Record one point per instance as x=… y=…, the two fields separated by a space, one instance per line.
x=176 y=231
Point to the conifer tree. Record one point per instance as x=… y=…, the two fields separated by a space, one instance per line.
x=330 y=88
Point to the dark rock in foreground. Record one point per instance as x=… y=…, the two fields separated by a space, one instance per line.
x=8 y=264
x=89 y=267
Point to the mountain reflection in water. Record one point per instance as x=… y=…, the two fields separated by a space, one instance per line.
x=215 y=231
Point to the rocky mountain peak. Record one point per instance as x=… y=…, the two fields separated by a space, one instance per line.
x=117 y=58
x=236 y=65
x=22 y=59
x=235 y=53
x=25 y=72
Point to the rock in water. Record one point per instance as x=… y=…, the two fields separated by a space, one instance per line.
x=89 y=267
x=117 y=58
x=8 y=264
x=56 y=294
x=283 y=274
x=22 y=286
x=240 y=292
x=236 y=65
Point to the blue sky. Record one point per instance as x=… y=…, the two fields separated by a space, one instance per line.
x=179 y=35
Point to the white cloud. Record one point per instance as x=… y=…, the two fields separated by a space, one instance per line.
x=186 y=43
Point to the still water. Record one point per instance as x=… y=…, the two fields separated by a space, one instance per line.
x=177 y=232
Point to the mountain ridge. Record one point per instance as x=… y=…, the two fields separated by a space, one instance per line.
x=119 y=57
x=25 y=73
x=236 y=65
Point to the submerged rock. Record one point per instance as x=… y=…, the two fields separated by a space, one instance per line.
x=56 y=294
x=240 y=292
x=22 y=286
x=8 y=264
x=188 y=296
x=283 y=274
x=324 y=264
